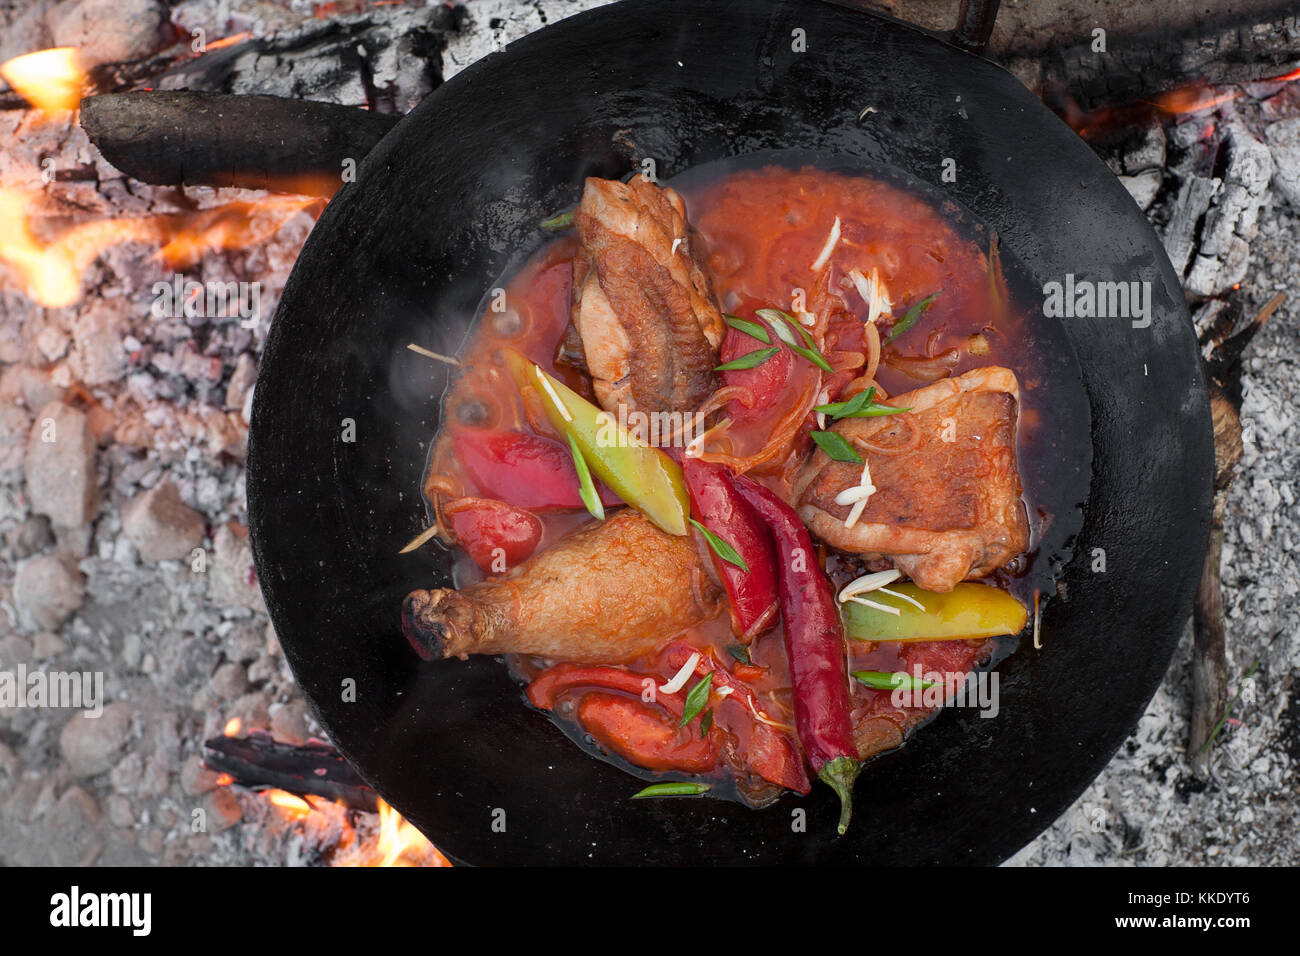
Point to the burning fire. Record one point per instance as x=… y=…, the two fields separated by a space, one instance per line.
x=51 y=80
x=383 y=839
x=51 y=270
x=294 y=806
x=1181 y=101
x=398 y=840
x=332 y=829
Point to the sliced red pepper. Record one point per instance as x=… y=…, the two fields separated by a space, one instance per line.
x=525 y=470
x=555 y=681
x=766 y=381
x=633 y=729
x=639 y=733
x=766 y=750
x=497 y=535
x=768 y=421
x=751 y=594
x=748 y=672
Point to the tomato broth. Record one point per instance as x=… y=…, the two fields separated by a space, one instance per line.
x=762 y=226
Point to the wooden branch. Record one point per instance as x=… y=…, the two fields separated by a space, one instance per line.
x=216 y=139
x=259 y=760
x=1209 y=633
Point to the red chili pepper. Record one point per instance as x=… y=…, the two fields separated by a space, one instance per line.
x=527 y=471
x=751 y=594
x=814 y=644
x=484 y=525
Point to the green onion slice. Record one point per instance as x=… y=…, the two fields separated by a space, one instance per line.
x=884 y=680
x=696 y=698
x=752 y=329
x=558 y=223
x=861 y=405
x=681 y=789
x=782 y=324
x=586 y=487
x=740 y=653
x=748 y=360
x=720 y=547
x=909 y=318
x=836 y=447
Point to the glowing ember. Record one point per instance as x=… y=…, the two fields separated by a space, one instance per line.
x=293 y=806
x=228 y=41
x=51 y=80
x=1185 y=100
x=51 y=270
x=233 y=726
x=1192 y=99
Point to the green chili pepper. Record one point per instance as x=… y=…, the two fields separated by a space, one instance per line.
x=640 y=474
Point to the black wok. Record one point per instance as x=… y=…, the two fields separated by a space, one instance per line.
x=451 y=196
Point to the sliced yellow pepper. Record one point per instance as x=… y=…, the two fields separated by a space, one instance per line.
x=640 y=474
x=967 y=611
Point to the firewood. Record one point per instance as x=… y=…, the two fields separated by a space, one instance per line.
x=259 y=760
x=1224 y=346
x=216 y=139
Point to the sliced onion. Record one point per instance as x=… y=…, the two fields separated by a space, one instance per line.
x=869 y=582
x=682 y=676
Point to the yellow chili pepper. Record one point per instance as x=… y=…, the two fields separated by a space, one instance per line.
x=968 y=611
x=640 y=474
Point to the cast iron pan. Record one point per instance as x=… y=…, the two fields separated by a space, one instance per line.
x=451 y=197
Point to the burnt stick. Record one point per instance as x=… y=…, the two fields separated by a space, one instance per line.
x=259 y=760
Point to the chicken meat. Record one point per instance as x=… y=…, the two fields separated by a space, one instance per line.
x=946 y=505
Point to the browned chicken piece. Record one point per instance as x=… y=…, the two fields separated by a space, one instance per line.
x=642 y=304
x=947 y=502
x=608 y=593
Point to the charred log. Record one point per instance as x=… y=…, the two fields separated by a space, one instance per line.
x=1223 y=343
x=388 y=59
x=1218 y=51
x=259 y=761
x=212 y=139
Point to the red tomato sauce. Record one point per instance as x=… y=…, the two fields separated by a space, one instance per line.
x=763 y=229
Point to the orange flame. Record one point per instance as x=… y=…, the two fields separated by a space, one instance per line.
x=233 y=726
x=51 y=271
x=294 y=807
x=1191 y=98
x=398 y=839
x=393 y=842
x=51 y=80
x=227 y=41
